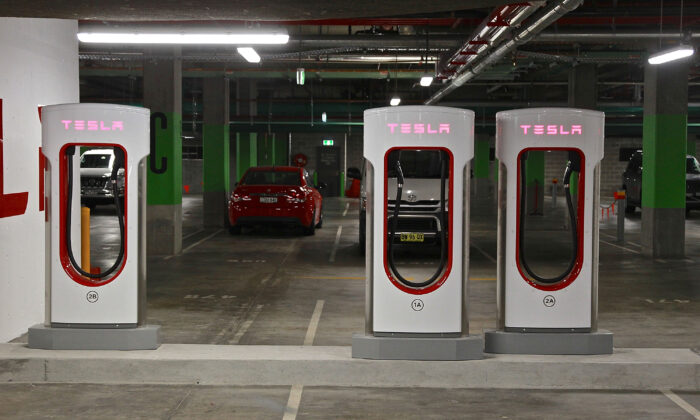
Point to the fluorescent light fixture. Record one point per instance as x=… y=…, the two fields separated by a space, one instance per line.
x=249 y=54
x=681 y=51
x=426 y=80
x=323 y=117
x=393 y=58
x=395 y=101
x=301 y=76
x=183 y=38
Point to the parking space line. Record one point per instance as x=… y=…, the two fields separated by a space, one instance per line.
x=192 y=234
x=347 y=207
x=313 y=324
x=681 y=403
x=292 y=408
x=626 y=242
x=483 y=253
x=244 y=328
x=335 y=244
x=621 y=247
x=194 y=244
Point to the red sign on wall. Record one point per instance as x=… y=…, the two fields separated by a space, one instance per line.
x=10 y=204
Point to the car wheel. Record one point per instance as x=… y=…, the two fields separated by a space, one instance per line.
x=320 y=220
x=234 y=230
x=311 y=229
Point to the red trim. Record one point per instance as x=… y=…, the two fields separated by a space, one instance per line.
x=10 y=204
x=580 y=222
x=63 y=193
x=435 y=285
x=42 y=168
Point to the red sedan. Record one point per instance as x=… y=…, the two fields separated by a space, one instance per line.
x=275 y=194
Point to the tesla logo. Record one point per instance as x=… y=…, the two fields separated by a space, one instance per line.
x=10 y=204
x=552 y=130
x=419 y=128
x=412 y=197
x=83 y=125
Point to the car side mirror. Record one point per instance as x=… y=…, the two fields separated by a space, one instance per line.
x=354 y=173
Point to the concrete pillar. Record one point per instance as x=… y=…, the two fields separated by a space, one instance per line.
x=246 y=143
x=162 y=92
x=665 y=146
x=215 y=153
x=583 y=93
x=481 y=165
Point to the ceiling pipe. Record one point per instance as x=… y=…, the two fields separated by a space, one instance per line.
x=610 y=36
x=544 y=18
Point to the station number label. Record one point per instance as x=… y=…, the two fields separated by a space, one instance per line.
x=549 y=301
x=417 y=305
x=92 y=296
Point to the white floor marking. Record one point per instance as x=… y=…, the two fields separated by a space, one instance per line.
x=335 y=244
x=313 y=324
x=483 y=253
x=192 y=234
x=290 y=412
x=347 y=207
x=626 y=242
x=681 y=403
x=244 y=328
x=621 y=247
x=194 y=244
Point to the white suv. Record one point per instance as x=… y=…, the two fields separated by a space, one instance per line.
x=96 y=167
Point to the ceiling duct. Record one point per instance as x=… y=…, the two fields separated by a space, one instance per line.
x=541 y=20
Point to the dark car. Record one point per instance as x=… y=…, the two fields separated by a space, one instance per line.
x=632 y=182
x=275 y=194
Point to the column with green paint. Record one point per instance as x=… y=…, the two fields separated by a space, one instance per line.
x=246 y=152
x=216 y=151
x=534 y=180
x=162 y=86
x=665 y=146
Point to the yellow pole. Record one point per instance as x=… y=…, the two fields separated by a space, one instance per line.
x=85 y=238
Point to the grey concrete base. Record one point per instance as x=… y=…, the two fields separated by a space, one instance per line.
x=215 y=210
x=164 y=229
x=146 y=337
x=600 y=342
x=415 y=348
x=205 y=364
x=663 y=233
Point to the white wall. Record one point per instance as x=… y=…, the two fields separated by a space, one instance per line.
x=38 y=66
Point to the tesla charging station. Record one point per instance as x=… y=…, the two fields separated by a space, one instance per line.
x=548 y=289
x=88 y=308
x=417 y=186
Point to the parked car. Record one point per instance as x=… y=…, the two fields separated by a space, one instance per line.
x=95 y=171
x=632 y=182
x=276 y=194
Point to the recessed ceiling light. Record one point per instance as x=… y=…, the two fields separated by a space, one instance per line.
x=249 y=54
x=183 y=38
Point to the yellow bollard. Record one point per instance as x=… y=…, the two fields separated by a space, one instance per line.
x=85 y=239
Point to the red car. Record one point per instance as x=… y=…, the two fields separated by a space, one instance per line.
x=275 y=194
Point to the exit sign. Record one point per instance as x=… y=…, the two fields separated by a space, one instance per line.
x=328 y=142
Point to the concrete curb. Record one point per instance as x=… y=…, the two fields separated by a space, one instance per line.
x=629 y=369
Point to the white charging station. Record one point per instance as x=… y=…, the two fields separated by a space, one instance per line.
x=103 y=309
x=406 y=317
x=549 y=314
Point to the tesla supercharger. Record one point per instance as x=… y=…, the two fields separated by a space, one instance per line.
x=88 y=308
x=548 y=284
x=417 y=161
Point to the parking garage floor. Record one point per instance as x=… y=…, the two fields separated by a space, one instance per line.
x=273 y=286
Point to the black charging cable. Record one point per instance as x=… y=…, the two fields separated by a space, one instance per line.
x=118 y=163
x=574 y=164
x=394 y=224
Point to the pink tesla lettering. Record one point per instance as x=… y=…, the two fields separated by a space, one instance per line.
x=66 y=123
x=392 y=127
x=92 y=125
x=525 y=127
x=444 y=128
x=79 y=125
x=551 y=129
x=562 y=131
x=406 y=128
x=103 y=127
x=419 y=128
x=430 y=130
x=538 y=129
x=577 y=129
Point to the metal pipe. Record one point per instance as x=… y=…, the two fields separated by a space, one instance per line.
x=543 y=19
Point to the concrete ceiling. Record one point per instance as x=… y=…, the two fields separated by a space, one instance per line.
x=149 y=10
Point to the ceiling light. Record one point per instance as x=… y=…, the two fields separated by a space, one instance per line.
x=301 y=76
x=395 y=101
x=426 y=80
x=183 y=38
x=249 y=54
x=324 y=118
x=681 y=51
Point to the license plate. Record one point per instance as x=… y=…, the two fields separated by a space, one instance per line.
x=268 y=199
x=412 y=237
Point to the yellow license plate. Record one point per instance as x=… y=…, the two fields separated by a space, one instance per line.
x=412 y=237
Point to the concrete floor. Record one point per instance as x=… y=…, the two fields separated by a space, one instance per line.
x=267 y=286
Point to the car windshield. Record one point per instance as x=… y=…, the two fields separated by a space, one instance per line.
x=415 y=163
x=95 y=161
x=692 y=166
x=271 y=178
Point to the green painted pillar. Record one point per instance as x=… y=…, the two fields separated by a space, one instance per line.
x=534 y=179
x=481 y=165
x=216 y=151
x=246 y=152
x=665 y=146
x=162 y=92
